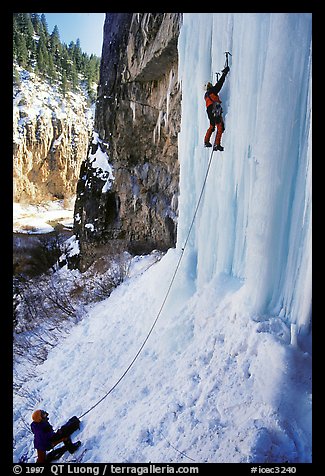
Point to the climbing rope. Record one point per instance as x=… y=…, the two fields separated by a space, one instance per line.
x=164 y=300
x=180 y=452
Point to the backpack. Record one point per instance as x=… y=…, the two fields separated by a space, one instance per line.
x=72 y=425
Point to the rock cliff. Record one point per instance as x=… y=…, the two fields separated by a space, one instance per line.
x=51 y=137
x=128 y=184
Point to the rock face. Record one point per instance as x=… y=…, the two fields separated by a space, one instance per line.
x=51 y=137
x=128 y=184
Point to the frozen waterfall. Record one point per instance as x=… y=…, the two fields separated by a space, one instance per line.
x=254 y=222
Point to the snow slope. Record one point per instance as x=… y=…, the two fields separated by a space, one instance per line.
x=225 y=375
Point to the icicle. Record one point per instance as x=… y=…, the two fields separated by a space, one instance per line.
x=294 y=337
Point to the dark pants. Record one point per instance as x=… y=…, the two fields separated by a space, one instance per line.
x=42 y=457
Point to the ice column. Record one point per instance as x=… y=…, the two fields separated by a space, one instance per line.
x=254 y=222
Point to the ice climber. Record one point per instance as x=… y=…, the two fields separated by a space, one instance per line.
x=214 y=111
x=45 y=438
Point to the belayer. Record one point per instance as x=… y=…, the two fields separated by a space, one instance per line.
x=214 y=111
x=45 y=438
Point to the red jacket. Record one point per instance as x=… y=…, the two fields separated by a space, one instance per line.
x=210 y=98
x=211 y=95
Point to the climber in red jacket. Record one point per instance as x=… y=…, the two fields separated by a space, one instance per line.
x=214 y=111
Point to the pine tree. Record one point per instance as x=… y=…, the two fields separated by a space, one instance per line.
x=15 y=37
x=55 y=44
x=77 y=55
x=21 y=51
x=92 y=75
x=44 y=28
x=51 y=70
x=22 y=38
x=29 y=29
x=36 y=21
x=74 y=77
x=33 y=54
x=46 y=55
x=64 y=84
x=42 y=54
x=22 y=20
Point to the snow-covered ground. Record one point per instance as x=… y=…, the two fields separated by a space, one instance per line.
x=211 y=381
x=225 y=375
x=36 y=219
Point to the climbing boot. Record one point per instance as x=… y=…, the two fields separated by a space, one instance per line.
x=56 y=454
x=76 y=445
x=218 y=147
x=71 y=447
x=207 y=144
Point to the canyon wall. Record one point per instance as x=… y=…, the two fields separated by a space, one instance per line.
x=50 y=140
x=128 y=186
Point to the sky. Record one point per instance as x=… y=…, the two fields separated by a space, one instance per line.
x=88 y=27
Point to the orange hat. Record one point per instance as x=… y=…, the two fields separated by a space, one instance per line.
x=37 y=416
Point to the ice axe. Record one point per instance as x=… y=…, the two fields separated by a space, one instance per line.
x=227 y=54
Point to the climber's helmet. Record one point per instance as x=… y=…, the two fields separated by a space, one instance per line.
x=39 y=415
